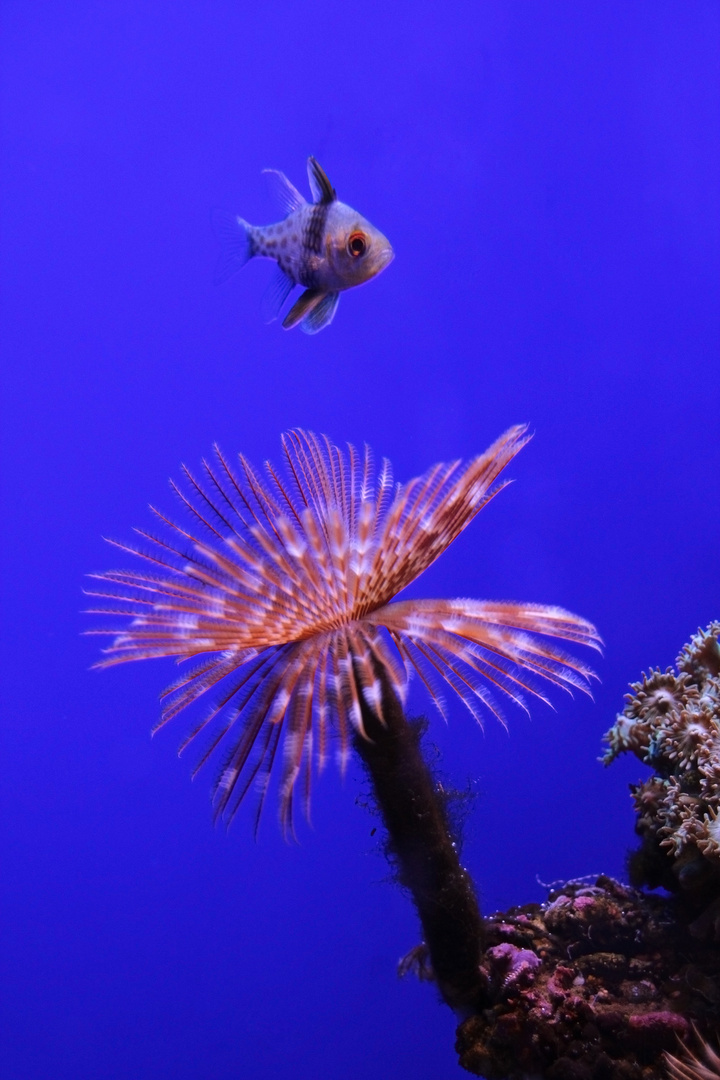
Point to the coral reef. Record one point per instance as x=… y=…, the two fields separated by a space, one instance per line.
x=671 y=721
x=604 y=981
x=598 y=983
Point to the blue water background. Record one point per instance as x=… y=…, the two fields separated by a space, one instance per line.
x=548 y=175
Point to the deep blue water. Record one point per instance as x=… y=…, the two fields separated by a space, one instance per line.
x=548 y=175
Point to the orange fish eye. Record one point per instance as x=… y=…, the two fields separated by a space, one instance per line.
x=357 y=244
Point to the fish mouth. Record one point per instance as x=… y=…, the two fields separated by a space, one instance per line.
x=384 y=257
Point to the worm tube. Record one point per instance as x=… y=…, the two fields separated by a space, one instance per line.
x=422 y=846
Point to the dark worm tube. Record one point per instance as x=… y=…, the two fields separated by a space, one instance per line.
x=421 y=843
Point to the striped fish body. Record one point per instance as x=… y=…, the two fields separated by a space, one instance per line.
x=309 y=246
x=325 y=246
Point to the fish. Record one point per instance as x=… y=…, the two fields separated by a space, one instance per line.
x=323 y=245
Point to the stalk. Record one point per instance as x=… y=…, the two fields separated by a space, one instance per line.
x=425 y=852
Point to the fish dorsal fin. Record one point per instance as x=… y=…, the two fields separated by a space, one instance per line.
x=321 y=315
x=302 y=307
x=285 y=194
x=322 y=189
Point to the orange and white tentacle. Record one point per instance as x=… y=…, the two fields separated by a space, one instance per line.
x=505 y=645
x=281 y=589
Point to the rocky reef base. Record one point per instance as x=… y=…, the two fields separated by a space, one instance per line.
x=595 y=984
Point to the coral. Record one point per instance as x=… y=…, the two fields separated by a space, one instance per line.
x=281 y=588
x=598 y=983
x=671 y=721
x=603 y=981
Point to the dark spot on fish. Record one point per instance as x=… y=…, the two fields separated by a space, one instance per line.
x=283 y=242
x=272 y=244
x=294 y=238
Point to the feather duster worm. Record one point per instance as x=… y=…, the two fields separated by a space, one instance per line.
x=704 y=1065
x=281 y=589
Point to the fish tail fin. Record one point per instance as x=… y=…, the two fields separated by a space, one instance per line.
x=236 y=244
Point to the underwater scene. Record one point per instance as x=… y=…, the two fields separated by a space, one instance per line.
x=360 y=370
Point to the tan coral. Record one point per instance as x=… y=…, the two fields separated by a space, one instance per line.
x=700 y=658
x=671 y=722
x=677 y=815
x=686 y=733
x=709 y=764
x=648 y=798
x=655 y=697
x=625 y=734
x=709 y=840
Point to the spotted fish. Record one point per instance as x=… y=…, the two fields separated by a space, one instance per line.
x=324 y=245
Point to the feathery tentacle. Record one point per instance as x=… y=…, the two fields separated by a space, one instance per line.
x=283 y=587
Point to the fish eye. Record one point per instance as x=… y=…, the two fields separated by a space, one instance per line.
x=357 y=244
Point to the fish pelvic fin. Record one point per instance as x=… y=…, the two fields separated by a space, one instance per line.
x=321 y=188
x=236 y=244
x=322 y=315
x=278 y=289
x=302 y=307
x=282 y=192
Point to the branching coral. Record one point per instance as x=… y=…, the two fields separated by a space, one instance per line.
x=671 y=721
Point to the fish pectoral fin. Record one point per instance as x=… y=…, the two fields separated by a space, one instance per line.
x=322 y=315
x=321 y=188
x=236 y=245
x=302 y=307
x=285 y=194
x=278 y=289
